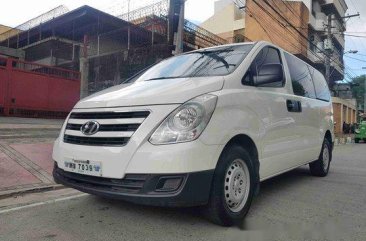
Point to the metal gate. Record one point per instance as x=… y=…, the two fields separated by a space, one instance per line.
x=35 y=90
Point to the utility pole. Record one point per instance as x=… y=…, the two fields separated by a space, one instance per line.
x=171 y=18
x=176 y=10
x=180 y=31
x=328 y=46
x=328 y=49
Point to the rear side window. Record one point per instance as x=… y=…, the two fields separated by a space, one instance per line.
x=321 y=86
x=302 y=83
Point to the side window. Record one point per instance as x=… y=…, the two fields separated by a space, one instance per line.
x=321 y=87
x=301 y=79
x=268 y=55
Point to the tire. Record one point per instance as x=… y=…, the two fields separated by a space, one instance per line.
x=357 y=140
x=233 y=187
x=320 y=167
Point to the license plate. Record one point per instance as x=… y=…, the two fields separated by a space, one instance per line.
x=87 y=167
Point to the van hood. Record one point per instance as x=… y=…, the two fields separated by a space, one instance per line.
x=153 y=92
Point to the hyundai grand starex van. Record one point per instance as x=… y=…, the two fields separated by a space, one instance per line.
x=203 y=128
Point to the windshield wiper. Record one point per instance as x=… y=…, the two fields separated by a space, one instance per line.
x=214 y=54
x=139 y=73
x=172 y=77
x=216 y=51
x=224 y=66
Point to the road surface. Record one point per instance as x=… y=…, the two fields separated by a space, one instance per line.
x=293 y=206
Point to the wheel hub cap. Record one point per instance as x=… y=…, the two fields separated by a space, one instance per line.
x=237 y=185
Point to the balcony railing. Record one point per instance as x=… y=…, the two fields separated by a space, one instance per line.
x=335 y=6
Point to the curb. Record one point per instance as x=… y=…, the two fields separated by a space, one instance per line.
x=18 y=192
x=343 y=140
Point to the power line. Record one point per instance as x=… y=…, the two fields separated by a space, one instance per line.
x=356 y=36
x=271 y=26
x=279 y=13
x=291 y=32
x=355 y=58
x=360 y=54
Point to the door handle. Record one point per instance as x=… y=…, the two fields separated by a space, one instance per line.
x=293 y=105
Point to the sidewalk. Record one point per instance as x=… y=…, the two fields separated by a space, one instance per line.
x=25 y=154
x=342 y=139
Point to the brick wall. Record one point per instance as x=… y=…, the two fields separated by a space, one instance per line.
x=261 y=24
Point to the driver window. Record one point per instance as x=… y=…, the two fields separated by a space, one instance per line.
x=268 y=55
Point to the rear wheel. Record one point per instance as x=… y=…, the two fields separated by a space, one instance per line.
x=320 y=167
x=233 y=187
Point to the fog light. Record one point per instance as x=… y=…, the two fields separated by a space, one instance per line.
x=167 y=184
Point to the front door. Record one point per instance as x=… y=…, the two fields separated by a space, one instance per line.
x=277 y=110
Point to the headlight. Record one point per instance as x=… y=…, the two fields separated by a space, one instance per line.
x=187 y=122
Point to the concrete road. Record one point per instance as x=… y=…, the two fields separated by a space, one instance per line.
x=293 y=206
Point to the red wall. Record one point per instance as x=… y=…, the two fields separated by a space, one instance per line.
x=3 y=76
x=28 y=90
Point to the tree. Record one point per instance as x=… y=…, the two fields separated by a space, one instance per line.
x=358 y=89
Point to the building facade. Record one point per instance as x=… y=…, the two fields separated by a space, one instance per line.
x=105 y=48
x=345 y=112
x=228 y=22
x=298 y=26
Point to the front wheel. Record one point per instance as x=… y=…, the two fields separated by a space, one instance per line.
x=233 y=187
x=320 y=167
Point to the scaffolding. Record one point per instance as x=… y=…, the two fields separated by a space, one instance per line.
x=114 y=46
x=34 y=22
x=194 y=35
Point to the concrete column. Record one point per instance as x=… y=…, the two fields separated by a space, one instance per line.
x=9 y=69
x=84 y=69
x=351 y=114
x=84 y=77
x=152 y=34
x=355 y=115
x=341 y=116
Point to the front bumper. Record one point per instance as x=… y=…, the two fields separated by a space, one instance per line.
x=187 y=189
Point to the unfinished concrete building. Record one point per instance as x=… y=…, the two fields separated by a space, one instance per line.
x=107 y=49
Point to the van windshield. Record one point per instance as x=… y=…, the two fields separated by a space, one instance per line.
x=209 y=62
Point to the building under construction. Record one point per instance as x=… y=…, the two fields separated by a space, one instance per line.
x=106 y=49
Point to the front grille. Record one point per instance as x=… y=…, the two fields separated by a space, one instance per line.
x=121 y=127
x=115 y=128
x=96 y=141
x=109 y=115
x=131 y=183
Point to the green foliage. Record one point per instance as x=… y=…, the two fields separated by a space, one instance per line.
x=358 y=89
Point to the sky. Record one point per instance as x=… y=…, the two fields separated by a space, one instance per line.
x=14 y=13
x=356 y=26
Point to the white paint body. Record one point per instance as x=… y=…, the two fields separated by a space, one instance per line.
x=284 y=140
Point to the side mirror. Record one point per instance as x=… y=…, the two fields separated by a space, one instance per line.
x=269 y=73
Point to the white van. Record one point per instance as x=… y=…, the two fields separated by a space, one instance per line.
x=202 y=128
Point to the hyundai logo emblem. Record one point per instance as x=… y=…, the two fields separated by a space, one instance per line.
x=90 y=128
